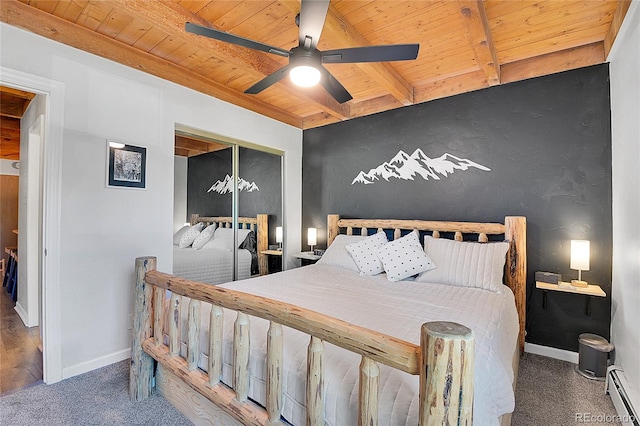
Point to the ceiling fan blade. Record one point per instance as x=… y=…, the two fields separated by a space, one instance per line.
x=312 y=16
x=334 y=87
x=230 y=38
x=268 y=80
x=394 y=52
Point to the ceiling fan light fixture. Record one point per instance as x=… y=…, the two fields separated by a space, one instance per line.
x=304 y=76
x=305 y=67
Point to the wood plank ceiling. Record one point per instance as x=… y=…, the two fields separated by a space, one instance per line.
x=13 y=104
x=465 y=45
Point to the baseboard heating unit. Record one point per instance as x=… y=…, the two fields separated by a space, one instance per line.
x=615 y=387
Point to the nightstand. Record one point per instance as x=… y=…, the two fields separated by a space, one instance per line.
x=589 y=291
x=274 y=263
x=307 y=258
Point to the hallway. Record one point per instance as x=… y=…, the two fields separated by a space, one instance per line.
x=20 y=358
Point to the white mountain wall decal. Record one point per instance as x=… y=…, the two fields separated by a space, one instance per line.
x=226 y=186
x=405 y=167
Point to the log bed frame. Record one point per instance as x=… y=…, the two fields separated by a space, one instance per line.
x=258 y=224
x=443 y=359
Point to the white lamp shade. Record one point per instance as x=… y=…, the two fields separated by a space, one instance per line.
x=580 y=255
x=312 y=235
x=278 y=234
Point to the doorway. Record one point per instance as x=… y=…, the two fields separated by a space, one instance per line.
x=50 y=109
x=20 y=185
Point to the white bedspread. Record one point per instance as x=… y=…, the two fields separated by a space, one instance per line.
x=209 y=265
x=397 y=309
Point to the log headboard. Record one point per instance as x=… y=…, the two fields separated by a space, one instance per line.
x=258 y=224
x=514 y=230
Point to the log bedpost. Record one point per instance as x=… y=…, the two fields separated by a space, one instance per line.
x=141 y=369
x=262 y=242
x=446 y=375
x=315 y=382
x=516 y=264
x=332 y=228
x=368 y=392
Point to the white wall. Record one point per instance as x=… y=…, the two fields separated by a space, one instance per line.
x=103 y=229
x=625 y=122
x=179 y=192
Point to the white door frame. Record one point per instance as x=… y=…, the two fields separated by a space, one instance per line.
x=54 y=92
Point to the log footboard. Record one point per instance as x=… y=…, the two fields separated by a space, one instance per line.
x=443 y=360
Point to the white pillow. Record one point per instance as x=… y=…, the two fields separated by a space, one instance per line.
x=179 y=233
x=203 y=237
x=337 y=255
x=404 y=257
x=364 y=253
x=223 y=238
x=190 y=235
x=465 y=263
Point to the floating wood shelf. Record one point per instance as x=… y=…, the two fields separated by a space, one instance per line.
x=589 y=291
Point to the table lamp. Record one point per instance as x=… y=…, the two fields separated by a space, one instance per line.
x=279 y=236
x=312 y=234
x=579 y=260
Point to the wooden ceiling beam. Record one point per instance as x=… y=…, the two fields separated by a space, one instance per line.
x=337 y=27
x=14 y=102
x=31 y=19
x=171 y=18
x=181 y=152
x=200 y=146
x=12 y=107
x=10 y=138
x=577 y=57
x=479 y=35
x=318 y=120
x=451 y=86
x=616 y=23
x=17 y=93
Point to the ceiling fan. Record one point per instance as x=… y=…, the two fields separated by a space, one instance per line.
x=305 y=61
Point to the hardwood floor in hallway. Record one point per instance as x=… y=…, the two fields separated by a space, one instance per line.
x=20 y=358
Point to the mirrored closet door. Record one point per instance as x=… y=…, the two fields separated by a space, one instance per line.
x=231 y=193
x=260 y=195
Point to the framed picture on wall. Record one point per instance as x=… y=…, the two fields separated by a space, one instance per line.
x=126 y=165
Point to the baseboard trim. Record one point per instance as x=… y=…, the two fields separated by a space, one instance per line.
x=23 y=315
x=550 y=352
x=94 y=364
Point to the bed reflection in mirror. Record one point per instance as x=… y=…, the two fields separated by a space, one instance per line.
x=211 y=178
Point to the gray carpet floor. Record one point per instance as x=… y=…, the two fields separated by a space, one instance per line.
x=100 y=397
x=549 y=392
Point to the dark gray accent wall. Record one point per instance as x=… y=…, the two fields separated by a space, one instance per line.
x=547 y=143
x=257 y=167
